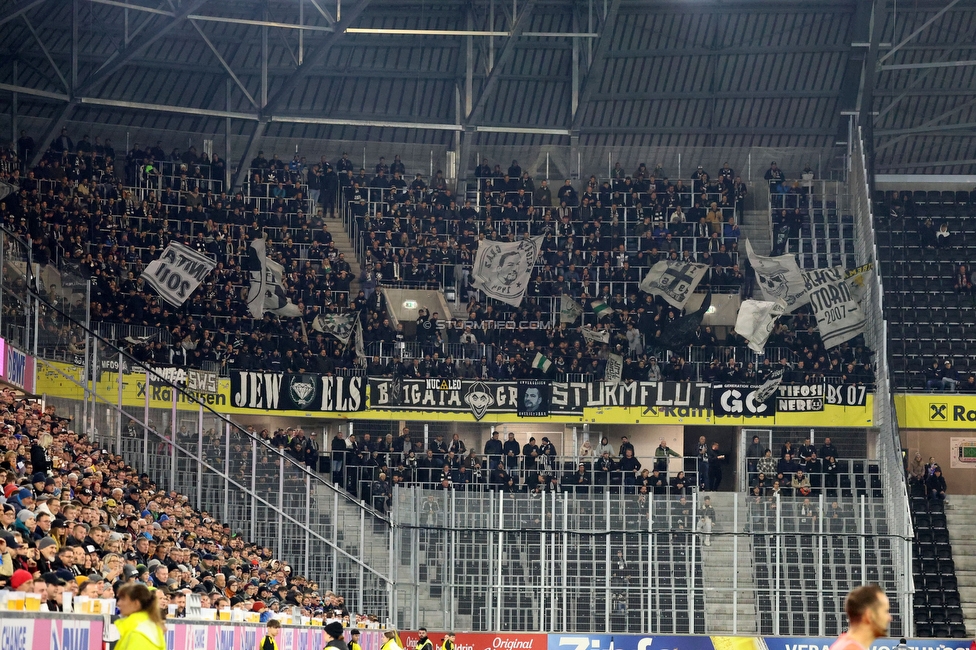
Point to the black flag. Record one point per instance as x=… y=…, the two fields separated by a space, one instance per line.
x=680 y=333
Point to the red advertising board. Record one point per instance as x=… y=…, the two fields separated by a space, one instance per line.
x=481 y=640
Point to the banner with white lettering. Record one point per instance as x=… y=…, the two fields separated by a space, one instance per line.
x=201 y=381
x=740 y=400
x=800 y=398
x=779 y=279
x=482 y=397
x=846 y=394
x=614 y=370
x=177 y=273
x=839 y=316
x=274 y=391
x=502 y=269
x=674 y=281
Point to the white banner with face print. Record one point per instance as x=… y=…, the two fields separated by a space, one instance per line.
x=502 y=269
x=779 y=278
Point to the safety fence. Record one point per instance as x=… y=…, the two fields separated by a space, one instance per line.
x=224 y=469
x=21 y=631
x=626 y=562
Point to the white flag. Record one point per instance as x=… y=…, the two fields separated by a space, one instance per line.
x=177 y=273
x=502 y=270
x=839 y=316
x=674 y=281
x=601 y=336
x=857 y=279
x=779 y=278
x=756 y=319
x=769 y=386
x=541 y=362
x=360 y=345
x=569 y=310
x=266 y=293
x=615 y=369
x=340 y=326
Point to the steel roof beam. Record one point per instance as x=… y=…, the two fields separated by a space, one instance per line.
x=18 y=10
x=508 y=50
x=740 y=94
x=741 y=50
x=47 y=54
x=315 y=58
x=692 y=130
x=224 y=64
x=121 y=58
x=918 y=31
x=594 y=75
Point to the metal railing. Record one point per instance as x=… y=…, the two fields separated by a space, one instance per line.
x=621 y=562
x=876 y=337
x=225 y=470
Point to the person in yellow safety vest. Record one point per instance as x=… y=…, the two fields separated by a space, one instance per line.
x=448 y=643
x=423 y=642
x=141 y=626
x=270 y=641
x=354 y=640
x=391 y=641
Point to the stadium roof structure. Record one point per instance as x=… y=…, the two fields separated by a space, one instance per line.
x=701 y=73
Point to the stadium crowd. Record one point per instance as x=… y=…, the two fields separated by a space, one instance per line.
x=99 y=218
x=372 y=468
x=77 y=519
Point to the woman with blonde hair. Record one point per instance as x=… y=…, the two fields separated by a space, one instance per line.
x=586 y=452
x=390 y=641
x=141 y=626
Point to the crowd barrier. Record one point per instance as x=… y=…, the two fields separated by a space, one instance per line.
x=41 y=631
x=582 y=641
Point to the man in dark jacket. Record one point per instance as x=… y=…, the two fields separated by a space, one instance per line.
x=936 y=486
x=493 y=450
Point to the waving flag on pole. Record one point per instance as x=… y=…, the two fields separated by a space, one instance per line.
x=502 y=269
x=266 y=292
x=674 y=281
x=541 y=362
x=779 y=279
x=569 y=310
x=756 y=320
x=601 y=309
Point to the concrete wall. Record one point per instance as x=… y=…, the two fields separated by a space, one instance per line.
x=936 y=443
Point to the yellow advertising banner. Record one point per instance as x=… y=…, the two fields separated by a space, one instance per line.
x=936 y=411
x=62 y=380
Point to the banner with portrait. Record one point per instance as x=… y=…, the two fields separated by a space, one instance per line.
x=502 y=269
x=534 y=398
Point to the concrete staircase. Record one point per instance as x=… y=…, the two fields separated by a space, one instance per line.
x=728 y=611
x=756 y=229
x=959 y=512
x=345 y=245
